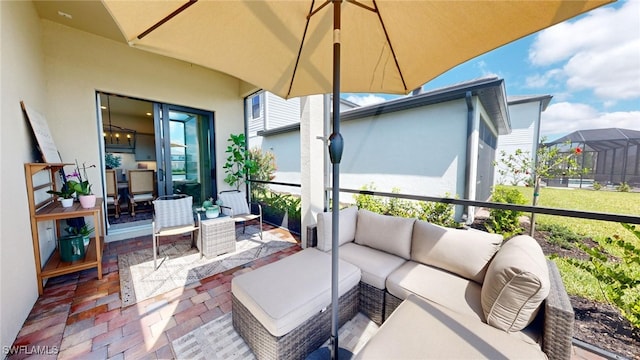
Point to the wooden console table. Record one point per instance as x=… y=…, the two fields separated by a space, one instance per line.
x=50 y=209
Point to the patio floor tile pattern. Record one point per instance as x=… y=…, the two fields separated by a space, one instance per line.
x=80 y=317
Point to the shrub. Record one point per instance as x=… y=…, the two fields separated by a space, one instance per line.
x=438 y=213
x=400 y=207
x=619 y=281
x=372 y=203
x=597 y=186
x=506 y=222
x=623 y=187
x=560 y=235
x=433 y=212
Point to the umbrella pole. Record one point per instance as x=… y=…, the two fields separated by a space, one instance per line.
x=335 y=153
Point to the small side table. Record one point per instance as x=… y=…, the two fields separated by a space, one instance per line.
x=217 y=235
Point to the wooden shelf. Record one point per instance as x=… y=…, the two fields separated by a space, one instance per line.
x=51 y=210
x=56 y=267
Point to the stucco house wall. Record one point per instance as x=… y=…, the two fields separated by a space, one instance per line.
x=57 y=71
x=420 y=149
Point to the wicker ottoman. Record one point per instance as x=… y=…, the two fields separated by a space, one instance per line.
x=218 y=236
x=282 y=309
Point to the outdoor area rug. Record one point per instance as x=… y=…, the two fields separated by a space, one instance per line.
x=180 y=264
x=217 y=340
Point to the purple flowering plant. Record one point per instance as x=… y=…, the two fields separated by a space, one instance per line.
x=81 y=184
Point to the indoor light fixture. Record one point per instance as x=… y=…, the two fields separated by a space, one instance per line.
x=111 y=134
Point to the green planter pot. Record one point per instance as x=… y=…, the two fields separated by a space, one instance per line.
x=71 y=248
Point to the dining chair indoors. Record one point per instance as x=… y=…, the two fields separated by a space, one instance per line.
x=235 y=205
x=173 y=215
x=141 y=188
x=113 y=198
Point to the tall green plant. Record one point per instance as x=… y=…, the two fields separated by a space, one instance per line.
x=239 y=166
x=265 y=168
x=506 y=222
x=619 y=281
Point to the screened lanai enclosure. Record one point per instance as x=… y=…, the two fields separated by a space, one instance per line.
x=611 y=157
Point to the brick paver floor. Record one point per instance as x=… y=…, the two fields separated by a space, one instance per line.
x=79 y=316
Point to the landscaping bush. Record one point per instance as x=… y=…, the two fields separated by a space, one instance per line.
x=560 y=235
x=597 y=186
x=619 y=280
x=506 y=222
x=438 y=213
x=623 y=187
x=372 y=203
x=433 y=212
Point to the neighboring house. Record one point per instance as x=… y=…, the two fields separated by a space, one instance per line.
x=432 y=144
x=266 y=111
x=524 y=112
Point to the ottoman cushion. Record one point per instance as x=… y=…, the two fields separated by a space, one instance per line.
x=284 y=294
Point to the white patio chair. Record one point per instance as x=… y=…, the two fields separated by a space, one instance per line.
x=234 y=204
x=173 y=215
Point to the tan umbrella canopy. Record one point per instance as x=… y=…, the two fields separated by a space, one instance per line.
x=387 y=46
x=303 y=47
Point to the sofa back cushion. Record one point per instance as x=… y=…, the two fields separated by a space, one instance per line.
x=516 y=283
x=463 y=252
x=347 y=230
x=387 y=233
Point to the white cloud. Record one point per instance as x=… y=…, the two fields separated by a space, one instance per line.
x=364 y=100
x=565 y=117
x=537 y=81
x=599 y=52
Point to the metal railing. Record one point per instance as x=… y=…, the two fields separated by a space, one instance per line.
x=631 y=219
x=591 y=215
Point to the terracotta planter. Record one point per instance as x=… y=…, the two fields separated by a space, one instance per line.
x=88 y=201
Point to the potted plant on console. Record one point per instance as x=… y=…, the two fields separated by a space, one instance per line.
x=65 y=195
x=82 y=186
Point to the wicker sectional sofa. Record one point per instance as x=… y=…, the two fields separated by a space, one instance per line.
x=455 y=293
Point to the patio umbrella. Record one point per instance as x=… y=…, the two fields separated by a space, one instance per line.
x=304 y=47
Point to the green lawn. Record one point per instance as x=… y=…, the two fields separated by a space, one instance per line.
x=576 y=281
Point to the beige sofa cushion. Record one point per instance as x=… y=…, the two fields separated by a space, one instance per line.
x=463 y=252
x=347 y=230
x=516 y=283
x=387 y=233
x=458 y=294
x=284 y=294
x=421 y=329
x=375 y=265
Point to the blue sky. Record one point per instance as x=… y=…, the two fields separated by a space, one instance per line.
x=589 y=64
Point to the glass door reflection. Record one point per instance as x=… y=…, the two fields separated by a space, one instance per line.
x=185 y=159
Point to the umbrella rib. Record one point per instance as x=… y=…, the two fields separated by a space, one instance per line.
x=384 y=28
x=304 y=36
x=166 y=18
x=355 y=2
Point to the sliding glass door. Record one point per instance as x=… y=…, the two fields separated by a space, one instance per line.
x=185 y=151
